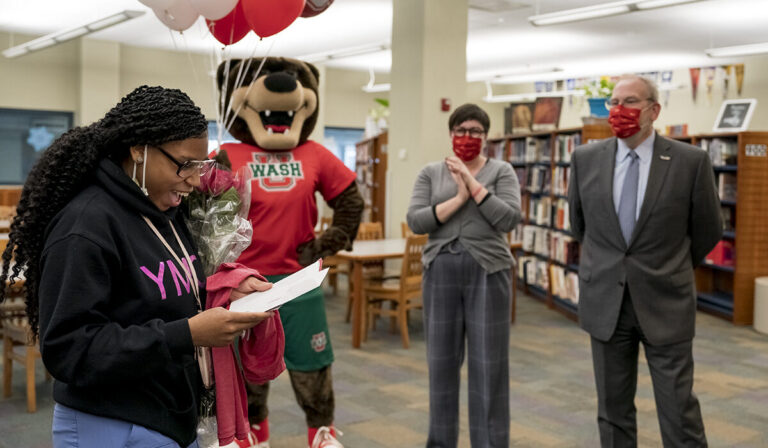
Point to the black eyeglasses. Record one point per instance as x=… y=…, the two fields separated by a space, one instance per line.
x=190 y=167
x=473 y=132
x=628 y=102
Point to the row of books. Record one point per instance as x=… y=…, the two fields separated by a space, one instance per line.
x=565 y=144
x=560 y=218
x=540 y=211
x=729 y=218
x=721 y=151
x=539 y=179
x=533 y=272
x=565 y=284
x=560 y=180
x=563 y=248
x=531 y=150
x=536 y=240
x=726 y=186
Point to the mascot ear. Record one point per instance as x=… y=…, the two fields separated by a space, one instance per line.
x=220 y=72
x=314 y=70
x=315 y=74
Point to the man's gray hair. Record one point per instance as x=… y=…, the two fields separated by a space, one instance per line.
x=653 y=91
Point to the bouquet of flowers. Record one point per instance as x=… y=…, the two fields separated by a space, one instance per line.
x=218 y=222
x=218 y=216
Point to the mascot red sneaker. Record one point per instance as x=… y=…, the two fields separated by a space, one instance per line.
x=276 y=111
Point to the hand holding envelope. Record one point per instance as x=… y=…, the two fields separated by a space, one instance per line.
x=283 y=291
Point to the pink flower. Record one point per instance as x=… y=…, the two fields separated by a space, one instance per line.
x=216 y=182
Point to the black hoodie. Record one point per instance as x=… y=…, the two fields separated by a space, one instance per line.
x=114 y=305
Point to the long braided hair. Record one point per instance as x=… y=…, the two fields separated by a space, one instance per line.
x=148 y=115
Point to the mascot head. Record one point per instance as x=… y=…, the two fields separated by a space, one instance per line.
x=276 y=110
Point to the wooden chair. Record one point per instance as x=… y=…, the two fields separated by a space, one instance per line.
x=405 y=230
x=15 y=332
x=404 y=294
x=371 y=269
x=7 y=212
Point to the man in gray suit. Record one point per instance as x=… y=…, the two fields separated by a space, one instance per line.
x=646 y=212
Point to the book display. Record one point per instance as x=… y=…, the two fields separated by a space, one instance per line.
x=371 y=170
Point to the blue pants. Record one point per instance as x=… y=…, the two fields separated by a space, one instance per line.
x=465 y=304
x=75 y=429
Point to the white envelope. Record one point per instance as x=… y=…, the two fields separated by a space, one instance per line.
x=283 y=291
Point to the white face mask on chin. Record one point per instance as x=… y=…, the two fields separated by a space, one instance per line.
x=143 y=185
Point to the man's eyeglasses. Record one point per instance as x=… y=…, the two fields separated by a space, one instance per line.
x=473 y=132
x=190 y=167
x=628 y=102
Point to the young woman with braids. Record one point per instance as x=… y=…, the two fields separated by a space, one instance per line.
x=106 y=259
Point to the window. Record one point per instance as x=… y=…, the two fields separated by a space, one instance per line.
x=24 y=135
x=213 y=136
x=341 y=141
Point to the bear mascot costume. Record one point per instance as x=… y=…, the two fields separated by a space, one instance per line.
x=276 y=109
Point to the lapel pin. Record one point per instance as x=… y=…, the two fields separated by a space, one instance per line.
x=665 y=157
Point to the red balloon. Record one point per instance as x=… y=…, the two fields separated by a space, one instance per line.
x=269 y=17
x=315 y=7
x=230 y=28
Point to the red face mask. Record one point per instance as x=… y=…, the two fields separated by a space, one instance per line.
x=625 y=121
x=466 y=148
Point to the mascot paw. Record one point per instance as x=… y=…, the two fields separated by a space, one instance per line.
x=331 y=241
x=308 y=252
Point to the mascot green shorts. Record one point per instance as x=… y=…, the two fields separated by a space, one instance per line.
x=307 y=340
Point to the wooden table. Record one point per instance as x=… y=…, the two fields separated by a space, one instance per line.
x=366 y=251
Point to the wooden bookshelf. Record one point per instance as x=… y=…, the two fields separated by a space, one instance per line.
x=594 y=132
x=371 y=170
x=542 y=160
x=726 y=289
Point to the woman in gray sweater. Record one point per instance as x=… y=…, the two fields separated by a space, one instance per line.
x=467 y=203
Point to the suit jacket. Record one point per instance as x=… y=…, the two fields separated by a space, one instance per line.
x=679 y=224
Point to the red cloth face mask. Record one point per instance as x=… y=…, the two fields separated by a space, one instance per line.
x=625 y=121
x=466 y=148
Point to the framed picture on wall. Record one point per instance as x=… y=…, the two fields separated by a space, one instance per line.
x=518 y=118
x=546 y=113
x=734 y=115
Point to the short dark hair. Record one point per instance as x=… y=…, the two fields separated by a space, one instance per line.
x=467 y=112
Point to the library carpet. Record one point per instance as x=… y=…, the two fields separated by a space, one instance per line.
x=382 y=397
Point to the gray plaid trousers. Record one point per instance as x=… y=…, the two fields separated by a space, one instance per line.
x=464 y=302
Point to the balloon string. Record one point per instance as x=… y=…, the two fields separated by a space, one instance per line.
x=250 y=86
x=189 y=56
x=239 y=79
x=173 y=39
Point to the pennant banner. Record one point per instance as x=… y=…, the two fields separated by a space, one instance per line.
x=666 y=80
x=726 y=78
x=738 y=70
x=695 y=72
x=709 y=79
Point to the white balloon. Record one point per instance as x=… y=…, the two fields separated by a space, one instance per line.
x=157 y=4
x=213 y=9
x=179 y=15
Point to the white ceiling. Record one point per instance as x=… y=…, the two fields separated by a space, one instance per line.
x=498 y=42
